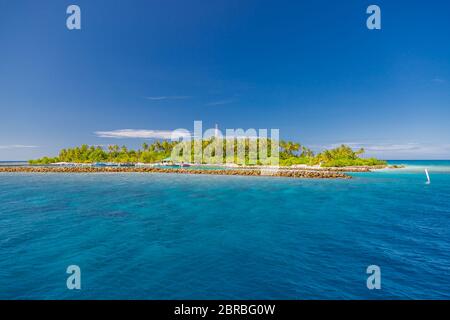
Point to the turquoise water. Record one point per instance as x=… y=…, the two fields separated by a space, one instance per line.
x=436 y=166
x=168 y=236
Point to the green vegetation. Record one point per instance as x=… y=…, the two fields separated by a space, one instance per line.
x=344 y=156
x=291 y=153
x=89 y=154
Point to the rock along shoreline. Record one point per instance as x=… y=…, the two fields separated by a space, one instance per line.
x=292 y=173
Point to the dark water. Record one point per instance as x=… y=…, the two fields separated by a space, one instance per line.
x=164 y=236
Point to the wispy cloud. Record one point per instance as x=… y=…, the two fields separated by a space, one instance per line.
x=17 y=146
x=161 y=98
x=439 y=80
x=379 y=147
x=143 y=134
x=220 y=102
x=390 y=150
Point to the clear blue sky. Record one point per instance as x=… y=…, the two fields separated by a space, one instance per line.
x=310 y=68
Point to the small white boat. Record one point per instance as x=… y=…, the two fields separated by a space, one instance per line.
x=428 y=177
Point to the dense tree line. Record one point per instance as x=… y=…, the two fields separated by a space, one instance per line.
x=291 y=153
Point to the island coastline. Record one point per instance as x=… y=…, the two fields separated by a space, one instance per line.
x=309 y=174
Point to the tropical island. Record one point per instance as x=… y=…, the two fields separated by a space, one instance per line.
x=293 y=160
x=290 y=154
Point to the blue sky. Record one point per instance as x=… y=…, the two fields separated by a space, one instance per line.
x=310 y=68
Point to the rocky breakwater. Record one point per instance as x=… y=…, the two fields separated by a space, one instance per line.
x=310 y=174
x=358 y=168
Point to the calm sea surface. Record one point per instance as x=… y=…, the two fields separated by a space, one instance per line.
x=164 y=236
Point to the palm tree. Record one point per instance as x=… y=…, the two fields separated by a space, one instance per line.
x=289 y=147
x=306 y=152
x=295 y=147
x=166 y=146
x=158 y=145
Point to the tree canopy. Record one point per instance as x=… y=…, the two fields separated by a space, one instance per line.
x=290 y=153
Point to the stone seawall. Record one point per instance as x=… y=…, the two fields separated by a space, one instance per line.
x=298 y=173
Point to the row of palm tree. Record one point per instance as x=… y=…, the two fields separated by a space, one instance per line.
x=290 y=153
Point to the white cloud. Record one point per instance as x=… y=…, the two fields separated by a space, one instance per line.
x=160 y=98
x=17 y=146
x=379 y=147
x=143 y=134
x=220 y=102
x=411 y=150
x=439 y=80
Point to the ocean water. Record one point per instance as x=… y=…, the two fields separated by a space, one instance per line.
x=168 y=236
x=13 y=163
